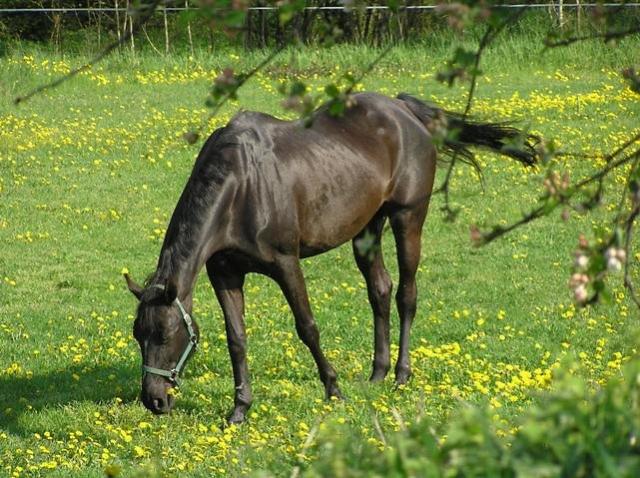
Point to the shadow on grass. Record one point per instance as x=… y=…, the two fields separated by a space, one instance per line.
x=21 y=396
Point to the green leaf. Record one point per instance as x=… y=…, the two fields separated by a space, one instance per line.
x=550 y=205
x=235 y=19
x=337 y=107
x=332 y=90
x=606 y=297
x=191 y=137
x=464 y=57
x=393 y=5
x=289 y=10
x=112 y=470
x=187 y=16
x=298 y=88
x=599 y=285
x=498 y=16
x=597 y=264
x=618 y=236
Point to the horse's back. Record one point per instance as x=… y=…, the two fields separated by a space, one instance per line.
x=318 y=186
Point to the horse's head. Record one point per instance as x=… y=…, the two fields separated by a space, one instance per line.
x=167 y=337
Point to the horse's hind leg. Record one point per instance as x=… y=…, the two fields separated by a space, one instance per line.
x=406 y=223
x=228 y=289
x=288 y=275
x=368 y=254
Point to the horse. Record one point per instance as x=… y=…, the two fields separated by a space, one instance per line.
x=266 y=192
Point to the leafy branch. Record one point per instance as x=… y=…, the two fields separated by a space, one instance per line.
x=225 y=88
x=465 y=63
x=606 y=36
x=551 y=200
x=142 y=13
x=609 y=253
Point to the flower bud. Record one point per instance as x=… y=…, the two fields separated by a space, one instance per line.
x=578 y=280
x=580 y=294
x=582 y=242
x=582 y=261
x=613 y=264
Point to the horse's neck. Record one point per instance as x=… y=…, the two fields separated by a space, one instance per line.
x=194 y=232
x=180 y=271
x=190 y=238
x=180 y=262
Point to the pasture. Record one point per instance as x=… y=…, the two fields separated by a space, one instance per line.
x=90 y=173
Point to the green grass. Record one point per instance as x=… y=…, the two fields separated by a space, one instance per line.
x=90 y=173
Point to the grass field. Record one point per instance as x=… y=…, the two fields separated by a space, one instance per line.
x=90 y=173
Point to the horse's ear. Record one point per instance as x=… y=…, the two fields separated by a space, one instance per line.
x=133 y=287
x=170 y=291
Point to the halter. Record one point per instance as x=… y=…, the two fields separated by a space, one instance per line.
x=173 y=374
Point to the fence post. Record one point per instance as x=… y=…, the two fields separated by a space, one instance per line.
x=166 y=30
x=186 y=6
x=561 y=13
x=578 y=14
x=118 y=21
x=131 y=33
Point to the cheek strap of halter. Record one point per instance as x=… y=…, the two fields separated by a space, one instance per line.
x=173 y=374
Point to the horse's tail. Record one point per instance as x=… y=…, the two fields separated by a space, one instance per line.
x=498 y=137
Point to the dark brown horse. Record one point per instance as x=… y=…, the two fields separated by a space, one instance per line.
x=265 y=192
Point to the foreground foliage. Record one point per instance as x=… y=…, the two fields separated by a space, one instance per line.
x=573 y=432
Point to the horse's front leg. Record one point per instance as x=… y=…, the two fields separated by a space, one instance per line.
x=228 y=289
x=289 y=276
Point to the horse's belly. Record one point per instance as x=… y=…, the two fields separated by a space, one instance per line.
x=327 y=224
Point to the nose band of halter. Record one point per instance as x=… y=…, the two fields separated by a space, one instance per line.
x=174 y=373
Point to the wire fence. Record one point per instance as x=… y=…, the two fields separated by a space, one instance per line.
x=317 y=8
x=371 y=24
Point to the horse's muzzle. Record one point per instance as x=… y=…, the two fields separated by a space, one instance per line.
x=158 y=404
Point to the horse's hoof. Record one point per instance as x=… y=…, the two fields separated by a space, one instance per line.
x=378 y=375
x=236 y=417
x=334 y=393
x=402 y=376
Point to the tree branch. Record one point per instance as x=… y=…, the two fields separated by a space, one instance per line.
x=489 y=36
x=606 y=36
x=563 y=197
x=628 y=283
x=144 y=13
